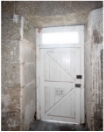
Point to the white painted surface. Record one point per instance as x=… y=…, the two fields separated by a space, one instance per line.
x=57 y=67
x=59 y=38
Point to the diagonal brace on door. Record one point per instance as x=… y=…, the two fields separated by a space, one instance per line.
x=57 y=103
x=60 y=65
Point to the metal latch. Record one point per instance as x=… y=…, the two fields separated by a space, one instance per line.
x=79 y=76
x=77 y=85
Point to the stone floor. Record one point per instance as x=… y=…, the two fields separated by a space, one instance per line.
x=49 y=126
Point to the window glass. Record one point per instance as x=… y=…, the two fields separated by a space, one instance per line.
x=60 y=38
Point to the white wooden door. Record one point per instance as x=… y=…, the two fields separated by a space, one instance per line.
x=61 y=82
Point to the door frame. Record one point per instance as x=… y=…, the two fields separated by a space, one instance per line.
x=38 y=103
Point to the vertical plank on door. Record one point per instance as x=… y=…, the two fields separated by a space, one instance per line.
x=46 y=65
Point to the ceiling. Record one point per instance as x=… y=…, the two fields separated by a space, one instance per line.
x=52 y=13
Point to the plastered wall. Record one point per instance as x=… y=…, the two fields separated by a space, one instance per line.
x=94 y=70
x=52 y=13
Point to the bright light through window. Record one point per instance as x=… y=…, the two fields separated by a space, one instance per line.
x=60 y=38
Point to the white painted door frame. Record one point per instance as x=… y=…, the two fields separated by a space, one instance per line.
x=39 y=31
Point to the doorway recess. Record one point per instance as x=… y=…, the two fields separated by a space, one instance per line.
x=60 y=74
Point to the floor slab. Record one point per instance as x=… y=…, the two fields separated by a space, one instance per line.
x=51 y=126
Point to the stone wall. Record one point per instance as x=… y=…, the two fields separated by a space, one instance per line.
x=10 y=72
x=27 y=66
x=18 y=73
x=18 y=57
x=94 y=70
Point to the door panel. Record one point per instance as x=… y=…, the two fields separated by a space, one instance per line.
x=60 y=98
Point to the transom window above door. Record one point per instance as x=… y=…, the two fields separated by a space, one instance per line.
x=66 y=36
x=60 y=38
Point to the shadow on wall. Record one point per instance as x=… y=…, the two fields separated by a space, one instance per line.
x=98 y=114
